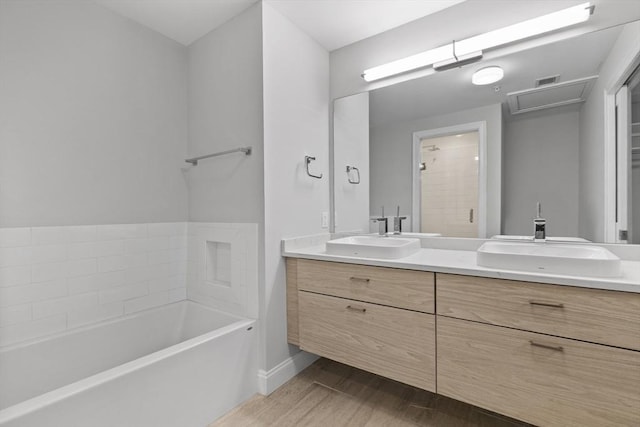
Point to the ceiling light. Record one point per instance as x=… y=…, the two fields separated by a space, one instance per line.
x=487 y=75
x=502 y=36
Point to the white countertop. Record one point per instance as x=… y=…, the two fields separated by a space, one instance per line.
x=456 y=261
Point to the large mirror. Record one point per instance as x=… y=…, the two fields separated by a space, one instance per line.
x=465 y=160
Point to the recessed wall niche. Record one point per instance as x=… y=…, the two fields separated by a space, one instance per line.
x=218 y=263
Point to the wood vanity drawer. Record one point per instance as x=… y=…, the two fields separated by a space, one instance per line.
x=544 y=380
x=413 y=290
x=395 y=343
x=600 y=316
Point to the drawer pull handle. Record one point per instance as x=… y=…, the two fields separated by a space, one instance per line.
x=359 y=309
x=359 y=279
x=549 y=347
x=546 y=304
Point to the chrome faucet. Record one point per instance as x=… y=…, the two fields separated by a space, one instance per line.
x=383 y=226
x=539 y=226
x=397 y=222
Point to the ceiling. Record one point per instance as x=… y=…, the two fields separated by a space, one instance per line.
x=332 y=23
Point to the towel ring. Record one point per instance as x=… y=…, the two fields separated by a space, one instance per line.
x=307 y=160
x=353 y=181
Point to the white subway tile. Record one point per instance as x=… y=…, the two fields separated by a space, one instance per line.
x=121 y=231
x=159 y=285
x=157 y=243
x=177 y=281
x=109 y=248
x=135 y=246
x=49 y=253
x=159 y=257
x=137 y=274
x=13 y=276
x=136 y=260
x=94 y=314
x=112 y=263
x=15 y=314
x=48 y=236
x=81 y=233
x=23 y=294
x=164 y=229
x=82 y=267
x=48 y=272
x=176 y=255
x=143 y=303
x=178 y=242
x=177 y=295
x=10 y=257
x=176 y=268
x=62 y=305
x=96 y=282
x=122 y=293
x=82 y=250
x=15 y=236
x=30 y=330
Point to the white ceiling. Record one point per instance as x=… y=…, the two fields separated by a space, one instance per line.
x=332 y=23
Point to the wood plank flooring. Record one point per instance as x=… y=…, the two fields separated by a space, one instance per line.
x=330 y=394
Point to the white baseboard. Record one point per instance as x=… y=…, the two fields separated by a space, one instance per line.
x=269 y=381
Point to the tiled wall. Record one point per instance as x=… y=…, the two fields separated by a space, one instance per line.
x=223 y=266
x=57 y=278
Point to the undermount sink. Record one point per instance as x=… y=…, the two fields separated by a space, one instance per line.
x=544 y=257
x=373 y=247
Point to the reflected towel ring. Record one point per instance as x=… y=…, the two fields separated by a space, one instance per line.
x=354 y=181
x=307 y=160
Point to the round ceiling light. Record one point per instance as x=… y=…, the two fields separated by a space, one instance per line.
x=487 y=75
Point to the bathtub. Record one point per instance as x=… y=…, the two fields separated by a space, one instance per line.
x=180 y=365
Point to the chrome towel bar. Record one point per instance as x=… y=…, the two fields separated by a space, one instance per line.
x=194 y=160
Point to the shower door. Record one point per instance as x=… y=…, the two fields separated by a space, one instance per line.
x=449 y=185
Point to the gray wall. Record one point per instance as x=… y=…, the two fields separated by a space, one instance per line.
x=93 y=118
x=540 y=164
x=391 y=154
x=296 y=123
x=225 y=112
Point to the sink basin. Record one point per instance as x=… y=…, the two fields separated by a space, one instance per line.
x=373 y=247
x=574 y=260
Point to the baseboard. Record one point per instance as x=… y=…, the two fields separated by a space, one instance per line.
x=269 y=381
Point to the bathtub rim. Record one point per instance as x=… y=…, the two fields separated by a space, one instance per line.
x=51 y=397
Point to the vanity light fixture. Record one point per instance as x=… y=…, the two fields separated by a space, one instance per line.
x=459 y=53
x=487 y=75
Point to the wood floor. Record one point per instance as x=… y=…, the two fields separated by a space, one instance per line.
x=329 y=394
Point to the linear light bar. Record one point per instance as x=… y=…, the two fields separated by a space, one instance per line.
x=532 y=27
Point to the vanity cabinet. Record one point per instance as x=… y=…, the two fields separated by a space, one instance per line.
x=550 y=355
x=547 y=354
x=377 y=319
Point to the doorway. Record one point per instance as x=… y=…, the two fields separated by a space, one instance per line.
x=449 y=181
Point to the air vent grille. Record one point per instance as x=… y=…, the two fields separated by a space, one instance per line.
x=551 y=95
x=547 y=80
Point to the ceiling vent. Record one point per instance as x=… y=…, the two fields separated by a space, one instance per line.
x=550 y=95
x=547 y=80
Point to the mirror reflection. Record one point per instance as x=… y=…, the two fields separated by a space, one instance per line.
x=466 y=160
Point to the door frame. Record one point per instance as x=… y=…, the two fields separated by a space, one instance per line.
x=481 y=128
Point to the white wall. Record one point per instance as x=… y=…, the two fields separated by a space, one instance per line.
x=351 y=147
x=391 y=156
x=540 y=164
x=225 y=112
x=592 y=134
x=296 y=123
x=93 y=118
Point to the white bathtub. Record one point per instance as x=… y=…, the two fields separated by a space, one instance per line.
x=180 y=365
